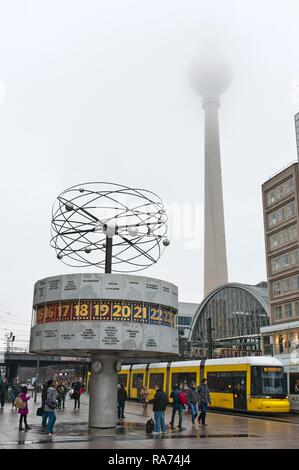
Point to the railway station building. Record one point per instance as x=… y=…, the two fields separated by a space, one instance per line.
x=237 y=312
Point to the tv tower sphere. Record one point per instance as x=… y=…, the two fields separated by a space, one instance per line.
x=210 y=76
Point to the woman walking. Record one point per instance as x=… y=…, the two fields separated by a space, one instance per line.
x=23 y=411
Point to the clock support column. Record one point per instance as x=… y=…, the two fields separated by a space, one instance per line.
x=103 y=391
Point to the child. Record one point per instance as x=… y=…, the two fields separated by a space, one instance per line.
x=23 y=412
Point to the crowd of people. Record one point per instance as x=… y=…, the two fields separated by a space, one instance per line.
x=53 y=397
x=193 y=400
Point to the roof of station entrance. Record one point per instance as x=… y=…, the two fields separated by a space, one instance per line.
x=235 y=310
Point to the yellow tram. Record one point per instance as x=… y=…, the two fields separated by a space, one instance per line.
x=249 y=384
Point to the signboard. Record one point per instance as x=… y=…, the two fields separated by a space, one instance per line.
x=118 y=311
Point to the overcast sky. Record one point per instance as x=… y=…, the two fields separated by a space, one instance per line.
x=98 y=91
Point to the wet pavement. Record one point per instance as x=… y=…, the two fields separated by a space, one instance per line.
x=223 y=431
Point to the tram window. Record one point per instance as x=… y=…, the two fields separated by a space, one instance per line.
x=137 y=380
x=220 y=382
x=156 y=379
x=123 y=379
x=267 y=382
x=183 y=378
x=294 y=383
x=239 y=382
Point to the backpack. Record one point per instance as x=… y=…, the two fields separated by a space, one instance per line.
x=19 y=403
x=150 y=426
x=182 y=398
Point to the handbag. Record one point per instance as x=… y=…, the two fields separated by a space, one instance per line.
x=39 y=411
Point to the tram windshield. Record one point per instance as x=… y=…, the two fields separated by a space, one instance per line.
x=267 y=381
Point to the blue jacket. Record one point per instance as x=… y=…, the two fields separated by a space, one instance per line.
x=175 y=395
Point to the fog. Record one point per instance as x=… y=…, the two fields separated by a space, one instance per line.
x=99 y=91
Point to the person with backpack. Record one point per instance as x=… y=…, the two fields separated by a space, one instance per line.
x=205 y=399
x=179 y=400
x=50 y=407
x=159 y=407
x=193 y=399
x=22 y=405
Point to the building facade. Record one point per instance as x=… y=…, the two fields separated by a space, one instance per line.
x=281 y=226
x=186 y=312
x=237 y=312
x=281 y=217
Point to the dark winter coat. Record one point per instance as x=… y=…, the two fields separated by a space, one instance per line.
x=121 y=395
x=160 y=401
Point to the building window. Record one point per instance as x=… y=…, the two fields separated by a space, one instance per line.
x=288 y=310
x=285 y=261
x=277 y=312
x=285 y=286
x=274 y=195
x=297 y=309
x=184 y=320
x=282 y=214
x=283 y=237
x=294 y=383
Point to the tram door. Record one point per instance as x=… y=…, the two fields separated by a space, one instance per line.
x=239 y=390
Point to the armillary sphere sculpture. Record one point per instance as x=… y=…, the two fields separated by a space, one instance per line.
x=109 y=226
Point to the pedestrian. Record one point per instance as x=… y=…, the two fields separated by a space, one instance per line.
x=205 y=399
x=159 y=407
x=77 y=393
x=144 y=398
x=3 y=392
x=23 y=411
x=44 y=398
x=177 y=406
x=193 y=399
x=61 y=394
x=50 y=406
x=121 y=399
x=16 y=390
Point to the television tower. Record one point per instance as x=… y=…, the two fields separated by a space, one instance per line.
x=210 y=78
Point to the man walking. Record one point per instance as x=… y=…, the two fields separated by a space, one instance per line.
x=176 y=406
x=205 y=399
x=193 y=398
x=159 y=407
